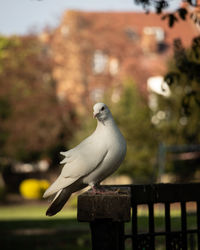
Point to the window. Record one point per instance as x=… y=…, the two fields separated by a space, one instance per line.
x=97 y=94
x=131 y=33
x=113 y=66
x=157 y=31
x=100 y=61
x=64 y=30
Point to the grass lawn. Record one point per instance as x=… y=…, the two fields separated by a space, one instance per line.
x=26 y=227
x=32 y=211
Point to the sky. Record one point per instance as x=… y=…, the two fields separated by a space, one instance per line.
x=24 y=16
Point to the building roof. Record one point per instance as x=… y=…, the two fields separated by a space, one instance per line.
x=119 y=21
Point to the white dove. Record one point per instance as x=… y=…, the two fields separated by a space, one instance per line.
x=90 y=162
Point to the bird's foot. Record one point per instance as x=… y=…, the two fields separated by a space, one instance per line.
x=97 y=190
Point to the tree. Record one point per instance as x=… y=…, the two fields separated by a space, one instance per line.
x=133 y=117
x=171 y=17
x=32 y=122
x=180 y=119
x=185 y=73
x=180 y=124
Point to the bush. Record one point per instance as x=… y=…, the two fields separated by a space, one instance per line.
x=33 y=189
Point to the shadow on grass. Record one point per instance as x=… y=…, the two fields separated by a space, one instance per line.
x=68 y=234
x=59 y=234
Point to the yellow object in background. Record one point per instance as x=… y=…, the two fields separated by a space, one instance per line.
x=33 y=188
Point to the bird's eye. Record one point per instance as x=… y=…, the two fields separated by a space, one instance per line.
x=102 y=108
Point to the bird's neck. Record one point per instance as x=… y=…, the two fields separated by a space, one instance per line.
x=106 y=123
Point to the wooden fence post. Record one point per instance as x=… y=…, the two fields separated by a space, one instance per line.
x=106 y=214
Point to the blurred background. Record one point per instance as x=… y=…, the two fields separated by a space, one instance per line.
x=56 y=60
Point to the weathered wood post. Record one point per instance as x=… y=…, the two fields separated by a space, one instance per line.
x=106 y=214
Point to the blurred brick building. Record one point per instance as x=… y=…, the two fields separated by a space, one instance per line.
x=97 y=50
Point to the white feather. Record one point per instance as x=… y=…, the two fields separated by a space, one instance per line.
x=95 y=158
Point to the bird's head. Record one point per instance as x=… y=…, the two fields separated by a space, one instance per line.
x=101 y=112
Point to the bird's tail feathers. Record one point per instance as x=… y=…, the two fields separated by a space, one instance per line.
x=63 y=196
x=59 y=201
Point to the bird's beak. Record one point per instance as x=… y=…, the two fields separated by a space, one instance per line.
x=95 y=114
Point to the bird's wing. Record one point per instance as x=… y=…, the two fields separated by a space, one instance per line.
x=79 y=162
x=57 y=185
x=83 y=159
x=71 y=154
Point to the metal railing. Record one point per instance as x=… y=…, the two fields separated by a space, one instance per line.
x=108 y=212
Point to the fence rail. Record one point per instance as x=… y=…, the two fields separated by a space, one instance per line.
x=108 y=212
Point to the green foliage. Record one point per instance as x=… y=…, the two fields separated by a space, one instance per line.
x=173 y=17
x=86 y=127
x=182 y=108
x=184 y=72
x=181 y=120
x=133 y=117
